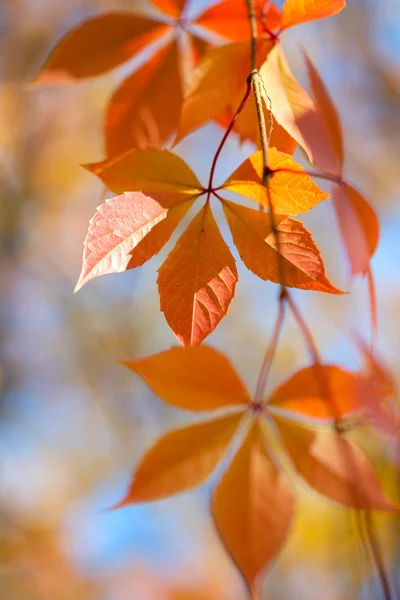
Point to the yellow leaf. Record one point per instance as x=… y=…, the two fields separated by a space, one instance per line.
x=181 y=459
x=253 y=508
x=292 y=191
x=158 y=173
x=197 y=282
x=193 y=378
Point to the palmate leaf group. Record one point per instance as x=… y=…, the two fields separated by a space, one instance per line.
x=294 y=434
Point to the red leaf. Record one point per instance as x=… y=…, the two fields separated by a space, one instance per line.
x=358 y=225
x=254 y=237
x=253 y=508
x=193 y=378
x=98 y=45
x=180 y=460
x=173 y=8
x=116 y=240
x=197 y=281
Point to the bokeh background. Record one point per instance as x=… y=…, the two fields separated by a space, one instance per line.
x=74 y=422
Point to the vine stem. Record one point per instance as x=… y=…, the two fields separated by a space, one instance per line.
x=377 y=556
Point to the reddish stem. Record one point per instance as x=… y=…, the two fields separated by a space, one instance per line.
x=334 y=178
x=226 y=135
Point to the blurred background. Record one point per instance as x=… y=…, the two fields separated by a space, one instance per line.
x=73 y=422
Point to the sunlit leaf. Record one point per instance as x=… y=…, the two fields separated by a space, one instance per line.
x=358 y=225
x=98 y=45
x=230 y=18
x=292 y=191
x=119 y=232
x=159 y=173
x=295 y=12
x=197 y=281
x=182 y=459
x=328 y=114
x=333 y=467
x=253 y=508
x=300 y=265
x=136 y=117
x=219 y=76
x=294 y=110
x=323 y=392
x=193 y=378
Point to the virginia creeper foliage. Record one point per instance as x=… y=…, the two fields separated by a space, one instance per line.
x=297 y=430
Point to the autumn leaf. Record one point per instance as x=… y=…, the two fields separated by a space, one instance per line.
x=358 y=224
x=197 y=281
x=98 y=45
x=292 y=191
x=333 y=467
x=125 y=232
x=182 y=459
x=295 y=12
x=218 y=77
x=136 y=118
x=193 y=378
x=325 y=392
x=158 y=173
x=294 y=110
x=259 y=249
x=230 y=18
x=253 y=508
x=329 y=118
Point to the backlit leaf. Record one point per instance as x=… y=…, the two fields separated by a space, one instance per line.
x=119 y=232
x=136 y=116
x=253 y=508
x=328 y=114
x=197 y=281
x=333 y=467
x=294 y=110
x=182 y=459
x=253 y=235
x=358 y=224
x=305 y=393
x=173 y=8
x=159 y=173
x=193 y=378
x=295 y=12
x=98 y=45
x=219 y=76
x=230 y=18
x=291 y=192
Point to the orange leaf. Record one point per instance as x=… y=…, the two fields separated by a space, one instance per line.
x=181 y=460
x=173 y=8
x=125 y=232
x=294 y=110
x=197 y=281
x=230 y=19
x=159 y=173
x=193 y=378
x=291 y=192
x=253 y=508
x=254 y=238
x=219 y=76
x=98 y=45
x=136 y=118
x=295 y=12
x=333 y=467
x=358 y=225
x=304 y=394
x=246 y=126
x=328 y=114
